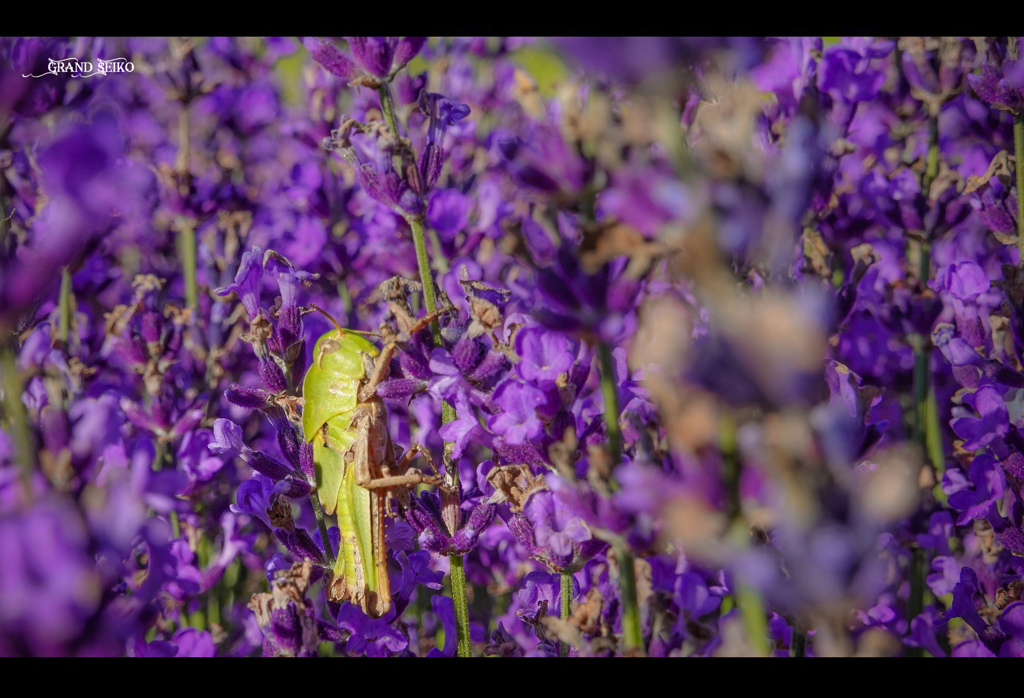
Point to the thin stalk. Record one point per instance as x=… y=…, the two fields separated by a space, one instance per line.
x=17 y=418
x=160 y=455
x=419 y=241
x=187 y=250
x=458 y=573
x=923 y=428
x=611 y=403
x=439 y=259
x=632 y=634
x=213 y=606
x=566 y=610
x=754 y=619
x=799 y=646
x=387 y=107
x=1018 y=149
x=64 y=325
x=321 y=525
x=922 y=358
x=186 y=230
x=920 y=387
x=448 y=414
x=926 y=426
x=931 y=170
x=932 y=433
x=183 y=164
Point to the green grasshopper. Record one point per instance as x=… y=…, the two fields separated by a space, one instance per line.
x=356 y=468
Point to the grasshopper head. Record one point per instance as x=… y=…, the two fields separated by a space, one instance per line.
x=340 y=353
x=331 y=384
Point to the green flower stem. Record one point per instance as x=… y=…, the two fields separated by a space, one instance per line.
x=440 y=261
x=799 y=646
x=423 y=263
x=213 y=606
x=926 y=421
x=632 y=633
x=926 y=431
x=448 y=414
x=611 y=403
x=730 y=466
x=933 y=435
x=748 y=599
x=387 y=105
x=1018 y=149
x=187 y=250
x=160 y=455
x=16 y=417
x=458 y=573
x=321 y=525
x=186 y=229
x=920 y=345
x=932 y=158
x=566 y=610
x=754 y=620
x=64 y=325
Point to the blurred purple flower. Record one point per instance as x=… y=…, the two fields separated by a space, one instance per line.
x=517 y=422
x=845 y=75
x=373 y=637
x=557 y=532
x=448 y=212
x=1001 y=87
x=993 y=422
x=988 y=480
x=247 y=282
x=544 y=355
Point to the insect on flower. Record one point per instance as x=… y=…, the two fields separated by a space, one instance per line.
x=357 y=472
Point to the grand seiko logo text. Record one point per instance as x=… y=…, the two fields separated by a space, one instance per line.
x=85 y=69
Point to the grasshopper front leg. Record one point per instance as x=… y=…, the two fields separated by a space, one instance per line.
x=364 y=475
x=372 y=451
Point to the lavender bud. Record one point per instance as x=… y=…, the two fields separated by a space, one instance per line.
x=272 y=375
x=288 y=440
x=188 y=422
x=306 y=461
x=151 y=328
x=293 y=488
x=270 y=467
x=465 y=539
x=227 y=438
x=331 y=58
x=400 y=388
x=249 y=398
x=467 y=354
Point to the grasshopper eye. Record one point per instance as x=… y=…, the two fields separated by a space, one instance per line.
x=328 y=347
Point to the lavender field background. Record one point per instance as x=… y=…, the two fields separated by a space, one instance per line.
x=729 y=363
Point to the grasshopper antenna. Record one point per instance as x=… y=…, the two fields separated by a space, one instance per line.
x=341 y=330
x=337 y=325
